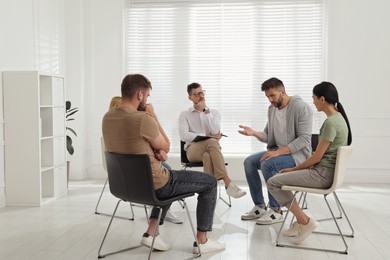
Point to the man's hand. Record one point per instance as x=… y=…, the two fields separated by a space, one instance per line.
x=216 y=136
x=149 y=108
x=161 y=155
x=246 y=130
x=269 y=154
x=200 y=105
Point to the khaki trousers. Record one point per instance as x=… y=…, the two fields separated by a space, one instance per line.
x=208 y=152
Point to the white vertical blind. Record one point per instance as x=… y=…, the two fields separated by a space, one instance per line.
x=230 y=48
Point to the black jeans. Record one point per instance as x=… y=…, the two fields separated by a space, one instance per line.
x=184 y=181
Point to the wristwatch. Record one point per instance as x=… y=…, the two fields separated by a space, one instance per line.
x=206 y=110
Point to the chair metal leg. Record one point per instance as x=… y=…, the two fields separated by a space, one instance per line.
x=301 y=201
x=339 y=233
x=105 y=235
x=304 y=203
x=105 y=214
x=100 y=197
x=155 y=231
x=192 y=227
x=221 y=198
x=341 y=209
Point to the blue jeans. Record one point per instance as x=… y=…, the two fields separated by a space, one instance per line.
x=181 y=182
x=268 y=168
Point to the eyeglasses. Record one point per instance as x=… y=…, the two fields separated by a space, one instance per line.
x=197 y=94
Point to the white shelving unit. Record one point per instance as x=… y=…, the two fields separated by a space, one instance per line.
x=35 y=140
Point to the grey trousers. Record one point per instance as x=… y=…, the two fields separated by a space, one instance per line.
x=316 y=176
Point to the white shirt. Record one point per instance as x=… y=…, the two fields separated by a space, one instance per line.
x=193 y=122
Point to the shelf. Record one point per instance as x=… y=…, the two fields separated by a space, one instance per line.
x=37 y=173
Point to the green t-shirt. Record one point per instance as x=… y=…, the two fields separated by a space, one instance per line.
x=335 y=130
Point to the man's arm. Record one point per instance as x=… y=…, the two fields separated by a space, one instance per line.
x=184 y=128
x=213 y=120
x=250 y=132
x=161 y=142
x=303 y=124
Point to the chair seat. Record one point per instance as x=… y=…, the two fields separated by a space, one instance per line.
x=306 y=189
x=193 y=164
x=343 y=155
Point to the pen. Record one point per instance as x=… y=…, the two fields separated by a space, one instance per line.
x=224 y=135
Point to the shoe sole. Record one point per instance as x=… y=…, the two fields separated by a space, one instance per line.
x=154 y=246
x=269 y=222
x=250 y=218
x=196 y=251
x=289 y=235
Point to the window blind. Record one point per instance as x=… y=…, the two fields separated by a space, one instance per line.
x=230 y=48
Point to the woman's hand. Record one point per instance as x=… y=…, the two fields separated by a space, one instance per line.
x=286 y=170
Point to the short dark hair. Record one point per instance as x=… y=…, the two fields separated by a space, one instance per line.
x=271 y=83
x=132 y=83
x=192 y=86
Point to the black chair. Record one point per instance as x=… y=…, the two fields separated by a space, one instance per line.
x=130 y=178
x=187 y=164
x=105 y=184
x=314 y=142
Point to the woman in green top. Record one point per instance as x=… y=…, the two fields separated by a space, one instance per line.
x=317 y=171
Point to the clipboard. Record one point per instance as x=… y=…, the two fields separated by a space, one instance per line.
x=199 y=138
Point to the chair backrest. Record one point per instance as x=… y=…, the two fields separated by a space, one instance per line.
x=103 y=153
x=343 y=155
x=314 y=142
x=130 y=178
x=184 y=159
x=183 y=153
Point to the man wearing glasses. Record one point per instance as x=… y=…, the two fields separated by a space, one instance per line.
x=200 y=120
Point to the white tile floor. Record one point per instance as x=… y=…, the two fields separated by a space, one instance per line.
x=68 y=228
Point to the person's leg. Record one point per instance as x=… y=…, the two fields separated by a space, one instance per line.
x=271 y=167
x=153 y=230
x=204 y=184
x=209 y=152
x=315 y=177
x=252 y=166
x=214 y=163
x=169 y=215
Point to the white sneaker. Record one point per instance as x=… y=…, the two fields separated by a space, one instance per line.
x=305 y=230
x=159 y=244
x=209 y=246
x=292 y=231
x=234 y=191
x=171 y=217
x=270 y=217
x=255 y=213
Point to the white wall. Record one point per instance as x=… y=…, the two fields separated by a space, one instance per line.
x=31 y=38
x=358 y=64
x=94 y=72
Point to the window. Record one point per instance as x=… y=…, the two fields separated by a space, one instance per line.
x=230 y=48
